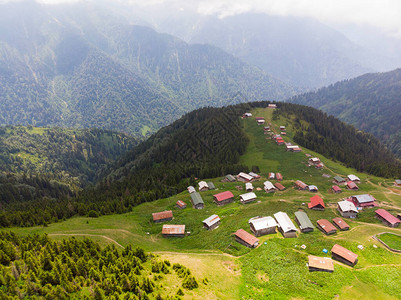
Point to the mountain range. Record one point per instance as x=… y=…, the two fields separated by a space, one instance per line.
x=80 y=66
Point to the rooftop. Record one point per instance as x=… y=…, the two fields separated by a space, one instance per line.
x=263 y=222
x=162 y=215
x=246 y=237
x=173 y=229
x=324 y=263
x=223 y=196
x=213 y=219
x=344 y=253
x=387 y=216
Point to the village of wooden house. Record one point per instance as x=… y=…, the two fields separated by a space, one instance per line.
x=310 y=201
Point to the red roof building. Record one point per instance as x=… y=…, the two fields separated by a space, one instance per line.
x=245 y=238
x=325 y=226
x=279 y=177
x=279 y=186
x=341 y=224
x=352 y=185
x=181 y=204
x=336 y=189
x=279 y=141
x=387 y=218
x=223 y=198
x=300 y=185
x=162 y=216
x=344 y=255
x=316 y=203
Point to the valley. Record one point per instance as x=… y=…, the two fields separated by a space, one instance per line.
x=277 y=267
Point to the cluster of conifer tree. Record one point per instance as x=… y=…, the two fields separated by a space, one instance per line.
x=337 y=140
x=36 y=266
x=205 y=143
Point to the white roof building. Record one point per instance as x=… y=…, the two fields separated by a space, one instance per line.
x=191 y=189
x=284 y=222
x=247 y=114
x=353 y=177
x=213 y=219
x=203 y=185
x=268 y=186
x=245 y=176
x=347 y=206
x=248 y=186
x=247 y=197
x=263 y=222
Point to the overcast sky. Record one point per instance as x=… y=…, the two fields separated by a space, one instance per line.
x=384 y=14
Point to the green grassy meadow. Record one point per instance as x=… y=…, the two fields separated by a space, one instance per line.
x=277 y=268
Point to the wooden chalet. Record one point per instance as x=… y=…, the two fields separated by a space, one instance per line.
x=353 y=178
x=271 y=175
x=364 y=200
x=280 y=141
x=203 y=186
x=162 y=216
x=279 y=186
x=339 y=180
x=260 y=120
x=248 y=197
x=397 y=182
x=246 y=239
x=262 y=225
x=285 y=225
x=279 y=177
x=247 y=115
x=313 y=188
x=229 y=178
x=316 y=203
x=212 y=222
x=352 y=186
x=283 y=133
x=197 y=201
x=344 y=255
x=266 y=129
x=272 y=105
x=180 y=204
x=303 y=221
x=314 y=161
x=324 y=264
x=249 y=187
x=336 y=189
x=319 y=166
x=191 y=189
x=211 y=185
x=173 y=230
x=290 y=147
x=300 y=185
x=254 y=175
x=325 y=226
x=269 y=187
x=282 y=128
x=340 y=224
x=387 y=218
x=223 y=198
x=347 y=209
x=244 y=177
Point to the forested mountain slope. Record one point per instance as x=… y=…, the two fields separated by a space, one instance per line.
x=371 y=102
x=79 y=66
x=205 y=143
x=45 y=165
x=300 y=51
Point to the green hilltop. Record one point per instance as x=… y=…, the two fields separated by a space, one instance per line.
x=277 y=267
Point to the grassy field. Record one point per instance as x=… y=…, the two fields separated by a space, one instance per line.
x=277 y=268
x=392 y=240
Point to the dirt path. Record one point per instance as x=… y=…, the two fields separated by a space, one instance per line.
x=195 y=253
x=87 y=234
